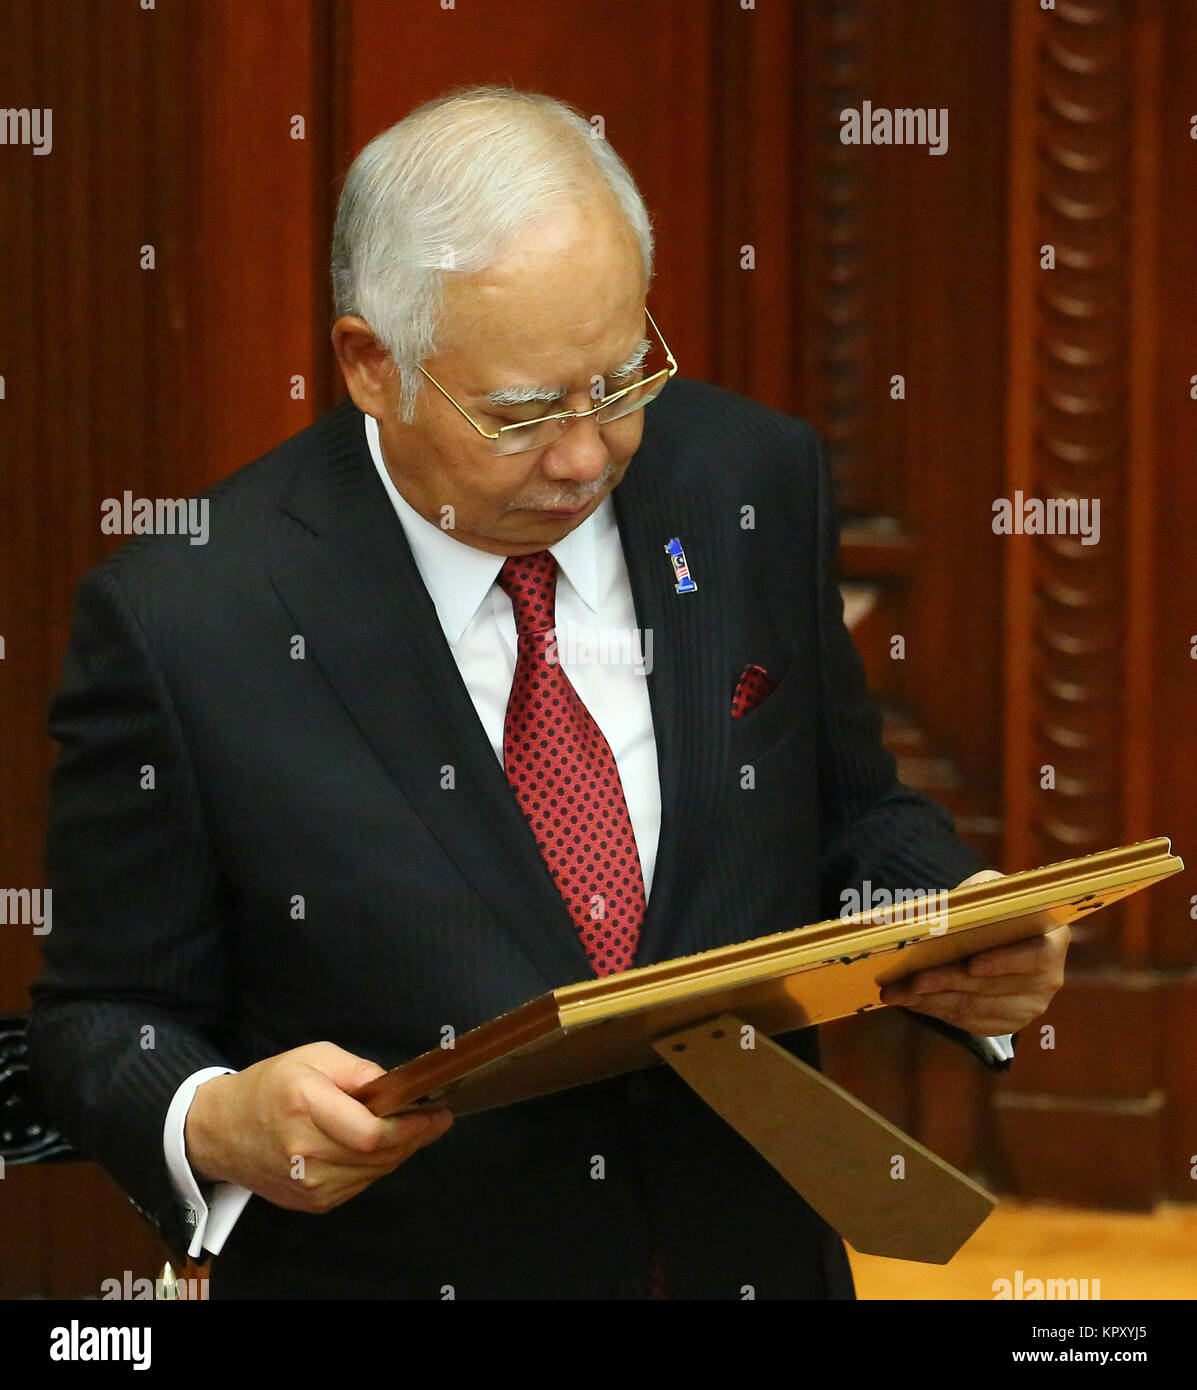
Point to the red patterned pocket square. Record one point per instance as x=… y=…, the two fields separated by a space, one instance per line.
x=751 y=689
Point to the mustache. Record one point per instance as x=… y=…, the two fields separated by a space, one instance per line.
x=562 y=501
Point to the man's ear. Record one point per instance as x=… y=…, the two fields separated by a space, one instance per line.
x=370 y=373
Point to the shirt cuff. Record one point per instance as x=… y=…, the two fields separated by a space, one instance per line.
x=1000 y=1048
x=212 y=1224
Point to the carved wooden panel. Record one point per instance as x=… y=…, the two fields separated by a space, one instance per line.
x=1097 y=673
x=1072 y=437
x=834 y=239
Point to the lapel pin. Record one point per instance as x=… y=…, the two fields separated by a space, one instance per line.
x=681 y=570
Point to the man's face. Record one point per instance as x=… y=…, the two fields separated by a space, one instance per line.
x=565 y=306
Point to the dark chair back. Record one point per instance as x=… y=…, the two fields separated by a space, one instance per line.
x=23 y=1137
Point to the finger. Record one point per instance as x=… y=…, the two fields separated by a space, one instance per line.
x=1003 y=1014
x=958 y=980
x=410 y=1132
x=1034 y=957
x=981 y=876
x=320 y=1186
x=381 y=1159
x=346 y=1069
x=348 y=1123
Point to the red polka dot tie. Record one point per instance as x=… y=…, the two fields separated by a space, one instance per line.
x=563 y=773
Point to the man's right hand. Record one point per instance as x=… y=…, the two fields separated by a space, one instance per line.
x=288 y=1129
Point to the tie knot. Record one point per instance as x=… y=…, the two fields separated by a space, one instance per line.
x=530 y=582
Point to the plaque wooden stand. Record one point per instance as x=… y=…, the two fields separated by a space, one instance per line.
x=879 y=1188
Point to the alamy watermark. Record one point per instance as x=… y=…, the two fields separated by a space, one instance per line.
x=572 y=645
x=876 y=904
x=27 y=907
x=22 y=126
x=164 y=1288
x=81 y=1342
x=881 y=125
x=1050 y=516
x=1020 y=1287
x=158 y=516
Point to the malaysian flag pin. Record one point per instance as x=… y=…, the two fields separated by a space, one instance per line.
x=681 y=570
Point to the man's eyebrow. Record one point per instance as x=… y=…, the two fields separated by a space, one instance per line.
x=523 y=395
x=634 y=360
x=548 y=395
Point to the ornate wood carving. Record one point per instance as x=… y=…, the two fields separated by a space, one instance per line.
x=1075 y=430
x=835 y=240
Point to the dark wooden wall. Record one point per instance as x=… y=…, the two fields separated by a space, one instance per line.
x=1069 y=127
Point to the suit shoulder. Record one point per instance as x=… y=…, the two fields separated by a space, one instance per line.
x=237 y=516
x=700 y=425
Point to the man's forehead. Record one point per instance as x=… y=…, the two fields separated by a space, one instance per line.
x=561 y=362
x=554 y=320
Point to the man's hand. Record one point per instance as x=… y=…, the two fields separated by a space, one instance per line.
x=993 y=992
x=287 y=1129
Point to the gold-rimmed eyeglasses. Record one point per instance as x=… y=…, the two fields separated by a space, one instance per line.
x=535 y=434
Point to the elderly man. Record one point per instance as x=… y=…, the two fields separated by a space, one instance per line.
x=327 y=796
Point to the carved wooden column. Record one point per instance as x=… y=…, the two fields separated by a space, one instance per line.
x=1084 y=228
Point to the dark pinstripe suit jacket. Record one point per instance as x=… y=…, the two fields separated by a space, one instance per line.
x=320 y=778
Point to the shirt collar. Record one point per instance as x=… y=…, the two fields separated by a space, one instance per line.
x=458 y=576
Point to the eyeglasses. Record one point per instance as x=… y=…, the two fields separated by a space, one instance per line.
x=535 y=434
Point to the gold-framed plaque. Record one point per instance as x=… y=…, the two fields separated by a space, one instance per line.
x=813 y=974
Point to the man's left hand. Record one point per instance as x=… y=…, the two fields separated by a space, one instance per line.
x=993 y=992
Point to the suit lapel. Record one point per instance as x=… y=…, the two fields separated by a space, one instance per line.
x=690 y=705
x=370 y=625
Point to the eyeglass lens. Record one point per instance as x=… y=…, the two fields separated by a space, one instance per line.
x=538 y=434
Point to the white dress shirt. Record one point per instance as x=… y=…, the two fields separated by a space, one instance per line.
x=594 y=603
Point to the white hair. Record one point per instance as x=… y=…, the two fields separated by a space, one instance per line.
x=447 y=189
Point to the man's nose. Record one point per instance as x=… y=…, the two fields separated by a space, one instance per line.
x=579 y=455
